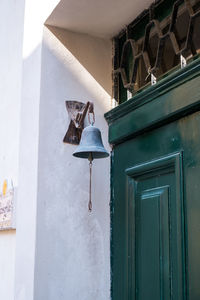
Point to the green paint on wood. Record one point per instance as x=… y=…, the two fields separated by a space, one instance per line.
x=155 y=207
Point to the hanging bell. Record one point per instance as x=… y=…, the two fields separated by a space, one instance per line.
x=91 y=145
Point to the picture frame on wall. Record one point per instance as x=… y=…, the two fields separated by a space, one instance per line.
x=7 y=210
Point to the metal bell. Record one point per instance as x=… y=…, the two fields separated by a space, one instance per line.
x=91 y=145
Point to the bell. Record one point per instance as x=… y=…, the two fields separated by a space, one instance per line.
x=91 y=145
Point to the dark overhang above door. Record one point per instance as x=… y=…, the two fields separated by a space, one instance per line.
x=99 y=18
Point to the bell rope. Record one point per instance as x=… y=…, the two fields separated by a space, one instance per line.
x=90 y=188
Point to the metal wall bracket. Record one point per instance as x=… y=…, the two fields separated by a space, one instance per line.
x=77 y=112
x=183 y=61
x=153 y=79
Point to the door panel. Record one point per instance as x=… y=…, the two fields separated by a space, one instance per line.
x=156 y=232
x=152 y=259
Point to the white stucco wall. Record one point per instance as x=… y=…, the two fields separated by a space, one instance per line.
x=7 y=264
x=11 y=33
x=48 y=174
x=35 y=15
x=72 y=245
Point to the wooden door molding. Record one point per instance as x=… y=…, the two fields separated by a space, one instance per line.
x=171 y=238
x=171 y=98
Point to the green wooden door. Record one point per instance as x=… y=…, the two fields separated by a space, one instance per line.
x=155 y=187
x=156 y=234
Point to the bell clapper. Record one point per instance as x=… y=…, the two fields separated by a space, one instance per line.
x=90 y=158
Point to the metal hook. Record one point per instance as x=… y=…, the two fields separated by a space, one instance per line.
x=91 y=111
x=149 y=74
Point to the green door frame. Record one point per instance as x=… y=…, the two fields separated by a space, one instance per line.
x=172 y=98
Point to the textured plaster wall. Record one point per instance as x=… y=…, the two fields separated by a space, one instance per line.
x=72 y=246
x=7 y=264
x=69 y=245
x=35 y=15
x=11 y=33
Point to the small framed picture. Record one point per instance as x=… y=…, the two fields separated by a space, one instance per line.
x=7 y=209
